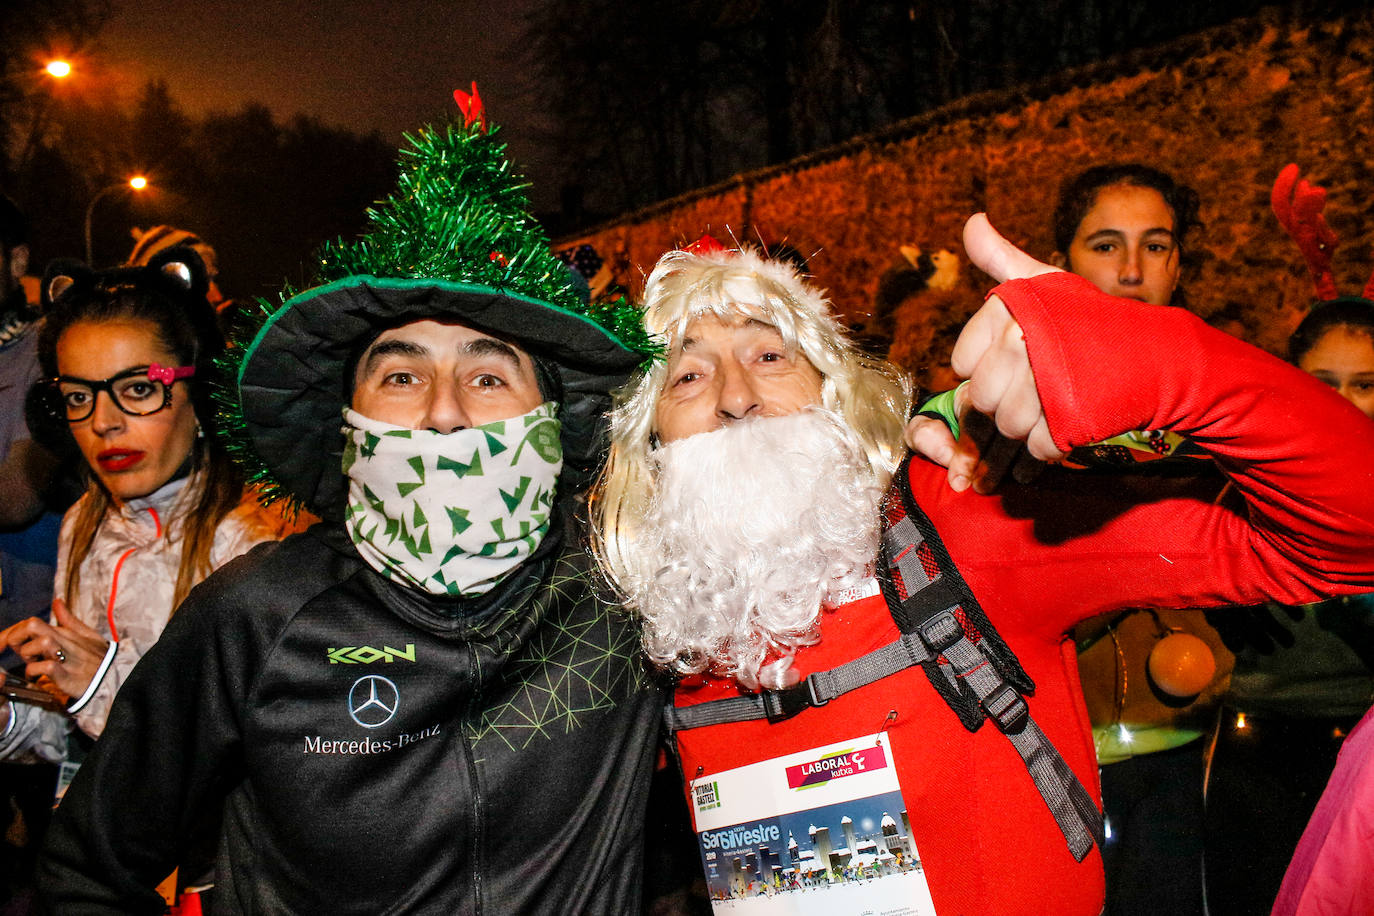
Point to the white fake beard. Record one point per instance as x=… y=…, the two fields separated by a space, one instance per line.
x=752 y=529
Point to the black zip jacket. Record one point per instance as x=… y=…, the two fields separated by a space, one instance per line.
x=374 y=749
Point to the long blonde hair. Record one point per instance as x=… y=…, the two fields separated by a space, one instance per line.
x=870 y=394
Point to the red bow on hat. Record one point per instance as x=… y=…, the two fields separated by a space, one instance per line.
x=471 y=107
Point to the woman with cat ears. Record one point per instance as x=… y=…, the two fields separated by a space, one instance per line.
x=127 y=354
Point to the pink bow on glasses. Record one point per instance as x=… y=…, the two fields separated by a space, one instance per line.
x=168 y=374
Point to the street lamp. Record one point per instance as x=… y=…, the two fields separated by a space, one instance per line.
x=137 y=183
x=59 y=70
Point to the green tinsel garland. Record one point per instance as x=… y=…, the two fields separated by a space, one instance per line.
x=460 y=213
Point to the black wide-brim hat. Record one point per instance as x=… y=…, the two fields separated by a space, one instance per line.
x=293 y=378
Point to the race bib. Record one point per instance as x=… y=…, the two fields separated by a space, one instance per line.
x=818 y=832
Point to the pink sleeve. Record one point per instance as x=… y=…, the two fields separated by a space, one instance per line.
x=1332 y=872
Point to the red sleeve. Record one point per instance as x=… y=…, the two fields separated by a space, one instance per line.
x=1301 y=457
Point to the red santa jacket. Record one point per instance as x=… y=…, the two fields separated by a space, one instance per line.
x=1041 y=558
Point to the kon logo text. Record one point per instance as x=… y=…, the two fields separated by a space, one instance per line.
x=366 y=655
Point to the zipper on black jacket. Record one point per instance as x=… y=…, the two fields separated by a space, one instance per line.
x=478 y=819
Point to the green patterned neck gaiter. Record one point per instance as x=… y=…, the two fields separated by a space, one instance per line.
x=450 y=513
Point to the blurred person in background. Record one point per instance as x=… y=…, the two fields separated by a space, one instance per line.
x=1304 y=675
x=28 y=535
x=149 y=242
x=1303 y=678
x=31 y=504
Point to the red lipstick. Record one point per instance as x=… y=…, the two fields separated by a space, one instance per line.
x=118 y=459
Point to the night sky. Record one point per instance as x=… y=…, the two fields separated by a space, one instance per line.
x=386 y=65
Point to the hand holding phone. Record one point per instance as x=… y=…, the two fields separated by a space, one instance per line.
x=19 y=690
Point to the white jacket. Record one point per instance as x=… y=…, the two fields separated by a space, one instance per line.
x=149 y=531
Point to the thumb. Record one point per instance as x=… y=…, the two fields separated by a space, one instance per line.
x=66 y=620
x=60 y=615
x=997 y=257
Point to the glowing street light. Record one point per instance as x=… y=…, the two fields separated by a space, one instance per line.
x=58 y=69
x=136 y=183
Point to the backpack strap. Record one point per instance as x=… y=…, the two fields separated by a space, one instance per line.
x=920 y=581
x=974 y=670
x=945 y=632
x=816 y=689
x=1073 y=808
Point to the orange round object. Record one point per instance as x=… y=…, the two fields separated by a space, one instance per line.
x=1182 y=665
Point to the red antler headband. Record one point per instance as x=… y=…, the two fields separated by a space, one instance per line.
x=1298 y=204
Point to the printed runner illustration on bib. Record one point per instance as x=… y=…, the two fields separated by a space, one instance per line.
x=820 y=831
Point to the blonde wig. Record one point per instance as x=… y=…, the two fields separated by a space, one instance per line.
x=869 y=394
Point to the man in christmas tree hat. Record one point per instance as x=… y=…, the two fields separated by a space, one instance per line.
x=418 y=705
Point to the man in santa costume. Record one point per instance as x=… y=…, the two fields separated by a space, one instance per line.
x=878 y=707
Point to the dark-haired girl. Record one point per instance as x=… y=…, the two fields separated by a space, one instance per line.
x=1335 y=343
x=1122 y=226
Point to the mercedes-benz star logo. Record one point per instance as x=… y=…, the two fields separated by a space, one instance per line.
x=373 y=700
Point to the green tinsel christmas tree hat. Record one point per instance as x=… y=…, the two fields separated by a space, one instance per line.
x=454 y=241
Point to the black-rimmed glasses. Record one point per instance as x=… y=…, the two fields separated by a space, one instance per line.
x=137 y=392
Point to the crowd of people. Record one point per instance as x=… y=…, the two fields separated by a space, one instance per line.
x=394 y=603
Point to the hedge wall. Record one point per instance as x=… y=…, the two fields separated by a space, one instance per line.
x=1223 y=111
